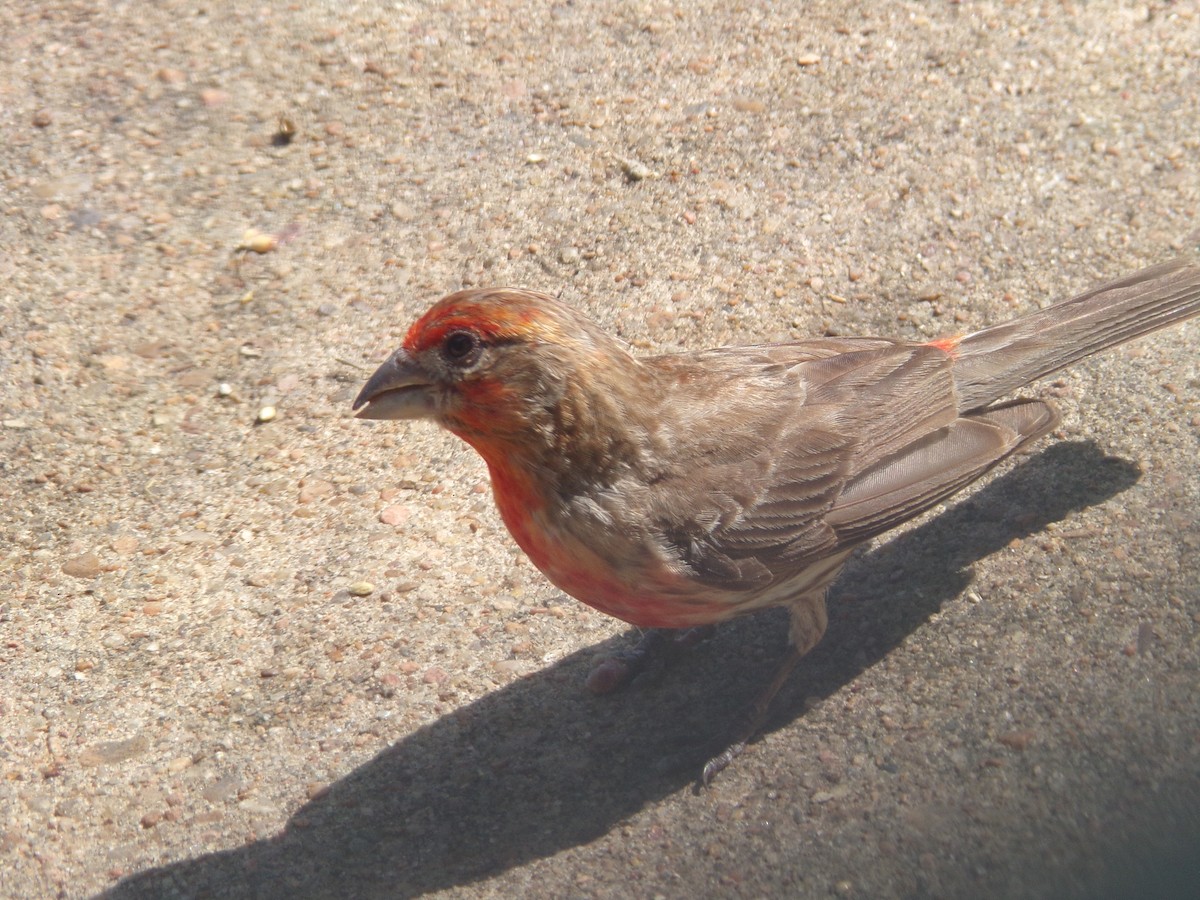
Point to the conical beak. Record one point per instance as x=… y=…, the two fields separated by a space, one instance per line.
x=399 y=389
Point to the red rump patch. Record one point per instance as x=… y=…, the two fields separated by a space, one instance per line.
x=948 y=345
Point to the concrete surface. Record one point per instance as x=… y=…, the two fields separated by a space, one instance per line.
x=302 y=658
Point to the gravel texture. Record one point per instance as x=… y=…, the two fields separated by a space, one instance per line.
x=252 y=647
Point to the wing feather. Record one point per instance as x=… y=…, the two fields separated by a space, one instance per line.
x=835 y=442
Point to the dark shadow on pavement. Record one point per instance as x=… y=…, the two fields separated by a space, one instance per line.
x=540 y=766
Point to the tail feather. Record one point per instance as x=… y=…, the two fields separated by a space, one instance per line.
x=996 y=361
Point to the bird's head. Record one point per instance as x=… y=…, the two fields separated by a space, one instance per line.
x=491 y=364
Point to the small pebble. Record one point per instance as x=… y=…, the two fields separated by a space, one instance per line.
x=635 y=171
x=314 y=488
x=746 y=104
x=266 y=414
x=198 y=536
x=108 y=752
x=1017 y=740
x=222 y=789
x=361 y=589
x=258 y=807
x=114 y=640
x=125 y=544
x=394 y=515
x=86 y=565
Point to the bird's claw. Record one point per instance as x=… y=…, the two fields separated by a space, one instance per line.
x=720 y=762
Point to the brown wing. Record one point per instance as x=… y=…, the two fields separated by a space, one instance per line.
x=830 y=443
x=934 y=467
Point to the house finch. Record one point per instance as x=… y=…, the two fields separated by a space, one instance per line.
x=681 y=490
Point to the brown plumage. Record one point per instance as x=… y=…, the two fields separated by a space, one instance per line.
x=682 y=490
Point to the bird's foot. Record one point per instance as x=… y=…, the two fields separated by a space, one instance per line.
x=657 y=646
x=720 y=762
x=755 y=717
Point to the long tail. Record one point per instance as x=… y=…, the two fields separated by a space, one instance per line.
x=996 y=361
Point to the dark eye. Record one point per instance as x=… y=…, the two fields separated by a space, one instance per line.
x=460 y=347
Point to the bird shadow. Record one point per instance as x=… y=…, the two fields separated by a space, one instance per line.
x=539 y=765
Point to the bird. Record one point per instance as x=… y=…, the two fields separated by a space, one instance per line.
x=678 y=491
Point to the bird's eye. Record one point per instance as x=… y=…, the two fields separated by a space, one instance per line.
x=460 y=347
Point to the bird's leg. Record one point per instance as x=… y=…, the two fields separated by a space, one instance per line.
x=754 y=720
x=656 y=645
x=807 y=626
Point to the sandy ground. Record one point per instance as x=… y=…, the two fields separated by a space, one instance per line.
x=303 y=658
